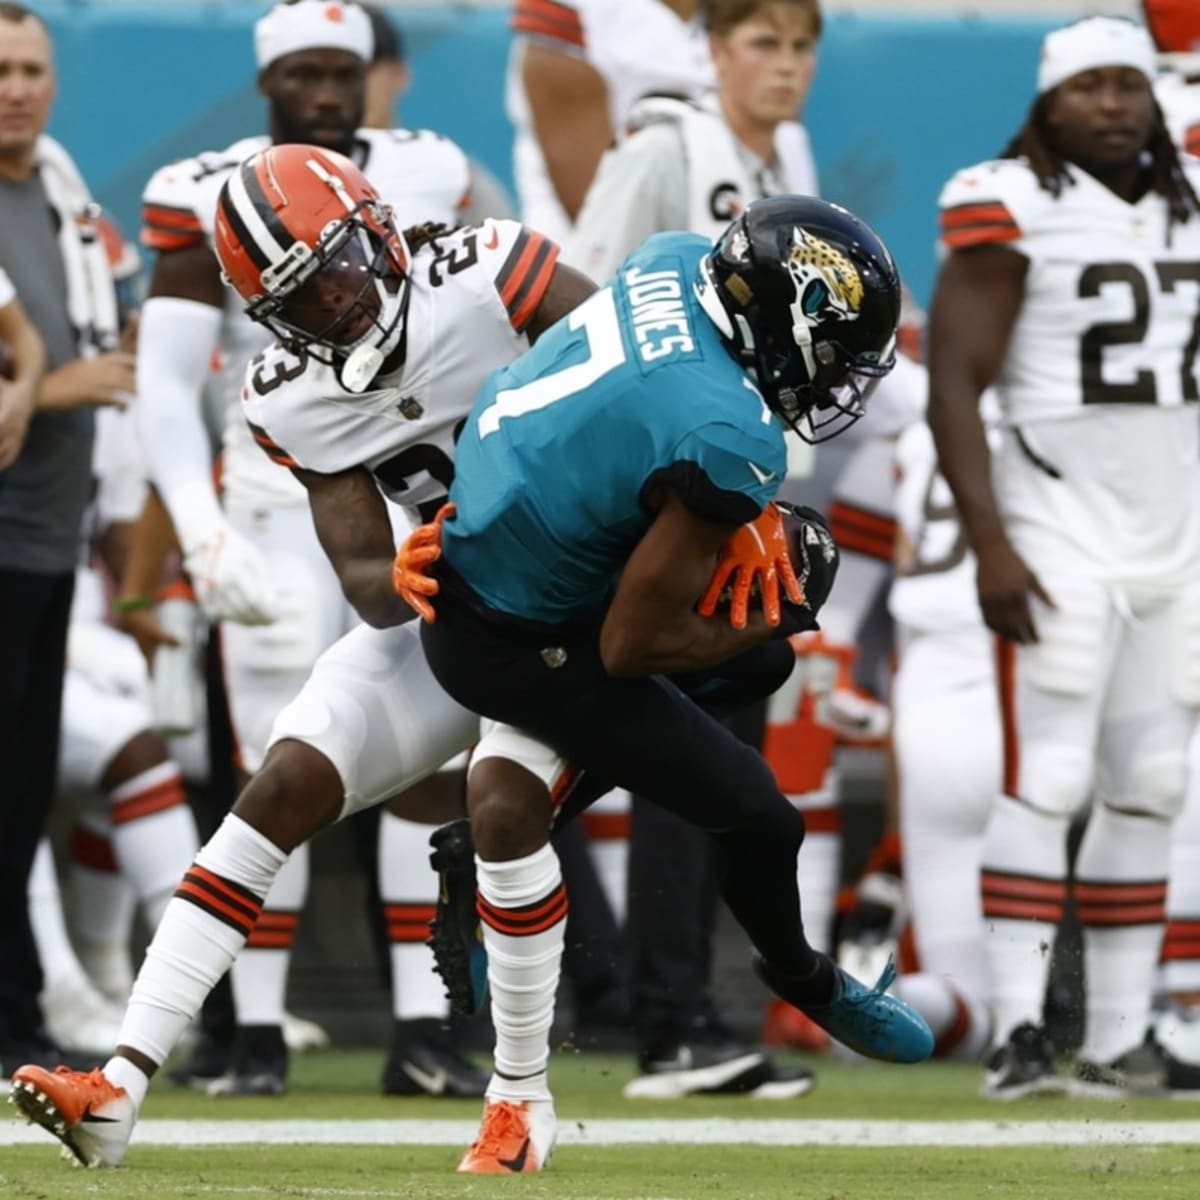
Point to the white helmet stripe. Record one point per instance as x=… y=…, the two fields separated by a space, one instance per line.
x=264 y=241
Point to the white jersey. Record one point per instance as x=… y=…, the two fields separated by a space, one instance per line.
x=1101 y=445
x=423 y=176
x=1179 y=98
x=473 y=294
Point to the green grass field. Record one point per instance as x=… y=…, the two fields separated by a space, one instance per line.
x=1099 y=1156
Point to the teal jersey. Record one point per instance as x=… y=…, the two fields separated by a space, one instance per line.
x=633 y=387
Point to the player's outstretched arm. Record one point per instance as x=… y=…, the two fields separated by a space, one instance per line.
x=352 y=523
x=652 y=626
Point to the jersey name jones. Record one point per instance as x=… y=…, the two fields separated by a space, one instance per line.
x=660 y=324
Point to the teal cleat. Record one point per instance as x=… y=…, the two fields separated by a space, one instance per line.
x=867 y=1020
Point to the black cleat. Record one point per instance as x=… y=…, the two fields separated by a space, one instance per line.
x=1146 y=1070
x=425 y=1062
x=259 y=1065
x=455 y=936
x=1023 y=1066
x=209 y=1059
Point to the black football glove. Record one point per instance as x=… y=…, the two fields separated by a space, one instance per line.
x=815 y=558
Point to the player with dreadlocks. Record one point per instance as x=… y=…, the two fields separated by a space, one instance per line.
x=1071 y=282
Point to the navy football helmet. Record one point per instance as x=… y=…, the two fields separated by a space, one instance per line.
x=808 y=300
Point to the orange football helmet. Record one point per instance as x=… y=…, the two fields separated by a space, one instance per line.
x=308 y=244
x=1174 y=25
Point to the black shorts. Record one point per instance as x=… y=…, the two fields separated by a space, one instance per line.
x=646 y=735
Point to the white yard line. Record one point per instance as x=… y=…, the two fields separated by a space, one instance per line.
x=718 y=1131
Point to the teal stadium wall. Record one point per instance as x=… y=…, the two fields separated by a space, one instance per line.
x=899 y=103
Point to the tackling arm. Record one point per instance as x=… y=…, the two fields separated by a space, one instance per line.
x=567 y=290
x=352 y=523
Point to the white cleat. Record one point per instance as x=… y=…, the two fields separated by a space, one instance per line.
x=300 y=1034
x=92 y=1117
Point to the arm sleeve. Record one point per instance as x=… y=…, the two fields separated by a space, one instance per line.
x=169 y=220
x=637 y=192
x=521 y=264
x=176 y=341
x=984 y=205
x=551 y=22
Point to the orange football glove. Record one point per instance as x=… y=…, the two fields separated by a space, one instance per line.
x=420 y=550
x=758 y=551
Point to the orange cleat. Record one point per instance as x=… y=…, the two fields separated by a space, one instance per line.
x=515 y=1136
x=92 y=1117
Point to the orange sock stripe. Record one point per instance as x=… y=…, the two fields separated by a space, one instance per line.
x=1023 y=887
x=1181 y=940
x=234 y=892
x=409 y=912
x=1106 y=917
x=165 y=795
x=1191 y=140
x=203 y=898
x=607 y=826
x=1104 y=892
x=275 y=918
x=266 y=939
x=406 y=933
x=91 y=850
x=527 y=920
x=863 y=543
x=1022 y=910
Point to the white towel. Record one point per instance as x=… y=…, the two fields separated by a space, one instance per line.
x=91 y=297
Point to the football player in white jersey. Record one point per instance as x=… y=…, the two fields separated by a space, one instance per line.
x=383 y=413
x=1072 y=282
x=252 y=553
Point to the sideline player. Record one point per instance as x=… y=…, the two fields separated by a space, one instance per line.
x=1072 y=282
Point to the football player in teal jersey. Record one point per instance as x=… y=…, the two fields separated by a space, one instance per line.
x=599 y=479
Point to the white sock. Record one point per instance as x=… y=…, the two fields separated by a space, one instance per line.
x=408 y=887
x=133 y=1079
x=154 y=835
x=204 y=926
x=259 y=974
x=1120 y=894
x=523 y=907
x=1024 y=891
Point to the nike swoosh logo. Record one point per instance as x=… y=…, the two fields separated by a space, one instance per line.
x=91 y=1119
x=434 y=1082
x=517 y=1163
x=761 y=475
x=493 y=241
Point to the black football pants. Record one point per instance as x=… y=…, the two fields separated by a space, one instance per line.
x=645 y=735
x=34 y=611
